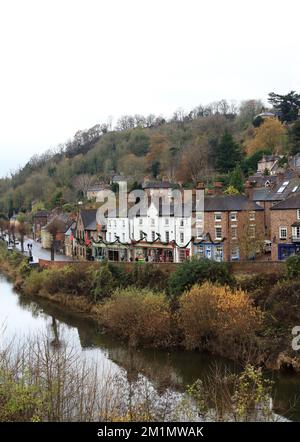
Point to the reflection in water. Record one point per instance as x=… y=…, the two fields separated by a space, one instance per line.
x=23 y=316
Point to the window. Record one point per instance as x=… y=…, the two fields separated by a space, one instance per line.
x=283 y=232
x=152 y=221
x=298 y=213
x=252 y=216
x=199 y=250
x=141 y=234
x=295 y=188
x=251 y=231
x=233 y=216
x=199 y=216
x=199 y=232
x=219 y=253
x=181 y=237
x=140 y=221
x=282 y=187
x=166 y=221
x=123 y=222
x=115 y=223
x=233 y=232
x=167 y=235
x=182 y=223
x=296 y=232
x=218 y=232
x=153 y=235
x=218 y=216
x=235 y=253
x=123 y=237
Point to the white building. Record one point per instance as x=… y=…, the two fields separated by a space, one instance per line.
x=159 y=235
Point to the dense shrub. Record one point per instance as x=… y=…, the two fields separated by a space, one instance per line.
x=259 y=286
x=293 y=266
x=70 y=280
x=20 y=401
x=148 y=275
x=211 y=312
x=138 y=315
x=283 y=303
x=105 y=282
x=197 y=271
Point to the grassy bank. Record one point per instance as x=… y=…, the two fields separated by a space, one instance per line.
x=200 y=306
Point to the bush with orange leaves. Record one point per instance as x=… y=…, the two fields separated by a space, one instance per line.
x=140 y=316
x=216 y=317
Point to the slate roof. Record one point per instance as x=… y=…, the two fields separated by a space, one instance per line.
x=159 y=185
x=261 y=194
x=89 y=219
x=228 y=203
x=61 y=222
x=274 y=195
x=260 y=180
x=293 y=202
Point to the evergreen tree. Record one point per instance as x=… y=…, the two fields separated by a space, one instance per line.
x=236 y=179
x=155 y=168
x=228 y=153
x=288 y=105
x=294 y=137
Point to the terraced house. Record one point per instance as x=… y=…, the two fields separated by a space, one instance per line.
x=285 y=227
x=233 y=228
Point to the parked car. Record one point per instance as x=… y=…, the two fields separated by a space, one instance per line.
x=267 y=246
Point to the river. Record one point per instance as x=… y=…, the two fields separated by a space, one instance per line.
x=21 y=317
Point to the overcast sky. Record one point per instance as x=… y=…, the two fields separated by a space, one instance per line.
x=69 y=64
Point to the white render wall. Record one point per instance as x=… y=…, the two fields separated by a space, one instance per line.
x=126 y=229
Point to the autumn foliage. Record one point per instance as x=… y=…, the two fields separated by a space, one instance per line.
x=138 y=315
x=269 y=135
x=212 y=312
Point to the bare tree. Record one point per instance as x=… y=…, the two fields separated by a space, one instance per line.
x=53 y=228
x=21 y=229
x=196 y=160
x=82 y=183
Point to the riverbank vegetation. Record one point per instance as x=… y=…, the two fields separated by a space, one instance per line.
x=199 y=306
x=40 y=382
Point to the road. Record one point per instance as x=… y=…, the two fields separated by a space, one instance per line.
x=39 y=253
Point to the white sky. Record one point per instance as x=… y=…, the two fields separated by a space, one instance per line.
x=69 y=64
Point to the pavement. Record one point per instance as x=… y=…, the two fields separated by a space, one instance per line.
x=39 y=253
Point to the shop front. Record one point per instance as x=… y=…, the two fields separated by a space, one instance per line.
x=147 y=252
x=213 y=251
x=111 y=252
x=286 y=250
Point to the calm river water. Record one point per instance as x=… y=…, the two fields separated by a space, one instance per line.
x=22 y=317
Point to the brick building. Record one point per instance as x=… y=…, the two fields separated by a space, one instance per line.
x=285 y=228
x=233 y=228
